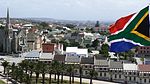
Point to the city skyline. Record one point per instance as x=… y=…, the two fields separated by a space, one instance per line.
x=108 y=10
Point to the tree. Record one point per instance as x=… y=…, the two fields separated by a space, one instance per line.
x=44 y=25
x=50 y=72
x=95 y=43
x=43 y=71
x=31 y=68
x=24 y=65
x=104 y=50
x=73 y=67
x=5 y=64
x=57 y=68
x=80 y=71
x=74 y=44
x=69 y=70
x=37 y=68
x=92 y=74
x=12 y=69
x=63 y=68
x=142 y=59
x=70 y=25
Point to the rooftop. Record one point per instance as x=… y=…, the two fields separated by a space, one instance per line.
x=34 y=53
x=60 y=58
x=115 y=65
x=87 y=60
x=144 y=68
x=130 y=66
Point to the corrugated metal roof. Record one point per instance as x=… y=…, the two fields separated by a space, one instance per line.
x=130 y=66
x=34 y=53
x=87 y=60
x=115 y=65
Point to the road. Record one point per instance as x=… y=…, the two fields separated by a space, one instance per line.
x=83 y=80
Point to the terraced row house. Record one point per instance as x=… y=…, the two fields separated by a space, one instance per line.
x=118 y=71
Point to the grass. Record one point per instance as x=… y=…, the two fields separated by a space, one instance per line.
x=2 y=82
x=53 y=81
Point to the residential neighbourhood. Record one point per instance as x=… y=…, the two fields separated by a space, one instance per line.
x=70 y=52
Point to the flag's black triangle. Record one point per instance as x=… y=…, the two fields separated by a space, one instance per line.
x=143 y=28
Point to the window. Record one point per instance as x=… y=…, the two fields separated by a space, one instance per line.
x=104 y=74
x=130 y=78
x=115 y=75
x=145 y=80
x=144 y=74
x=120 y=76
x=86 y=72
x=76 y=71
x=134 y=79
x=100 y=74
x=134 y=73
x=129 y=73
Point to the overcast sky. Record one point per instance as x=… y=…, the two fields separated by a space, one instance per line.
x=103 y=10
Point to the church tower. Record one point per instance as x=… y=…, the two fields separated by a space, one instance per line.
x=7 y=38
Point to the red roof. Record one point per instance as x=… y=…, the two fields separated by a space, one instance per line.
x=48 y=47
x=143 y=67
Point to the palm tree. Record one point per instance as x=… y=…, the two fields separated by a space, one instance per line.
x=70 y=70
x=43 y=71
x=16 y=72
x=92 y=74
x=37 y=71
x=12 y=69
x=5 y=64
x=31 y=67
x=80 y=71
x=62 y=71
x=73 y=67
x=24 y=65
x=50 y=73
x=54 y=66
x=20 y=74
x=57 y=68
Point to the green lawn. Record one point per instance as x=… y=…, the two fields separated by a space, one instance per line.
x=53 y=81
x=2 y=82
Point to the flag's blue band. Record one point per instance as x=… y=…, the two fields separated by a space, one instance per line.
x=121 y=46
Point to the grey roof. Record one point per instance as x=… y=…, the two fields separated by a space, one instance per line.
x=32 y=54
x=87 y=60
x=60 y=58
x=72 y=59
x=115 y=65
x=100 y=57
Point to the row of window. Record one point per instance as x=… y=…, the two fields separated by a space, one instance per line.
x=144 y=51
x=144 y=47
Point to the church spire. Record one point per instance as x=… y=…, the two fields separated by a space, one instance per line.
x=8 y=20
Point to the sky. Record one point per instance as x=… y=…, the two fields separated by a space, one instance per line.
x=102 y=10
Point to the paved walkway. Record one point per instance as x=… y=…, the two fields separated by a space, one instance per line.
x=5 y=79
x=83 y=80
